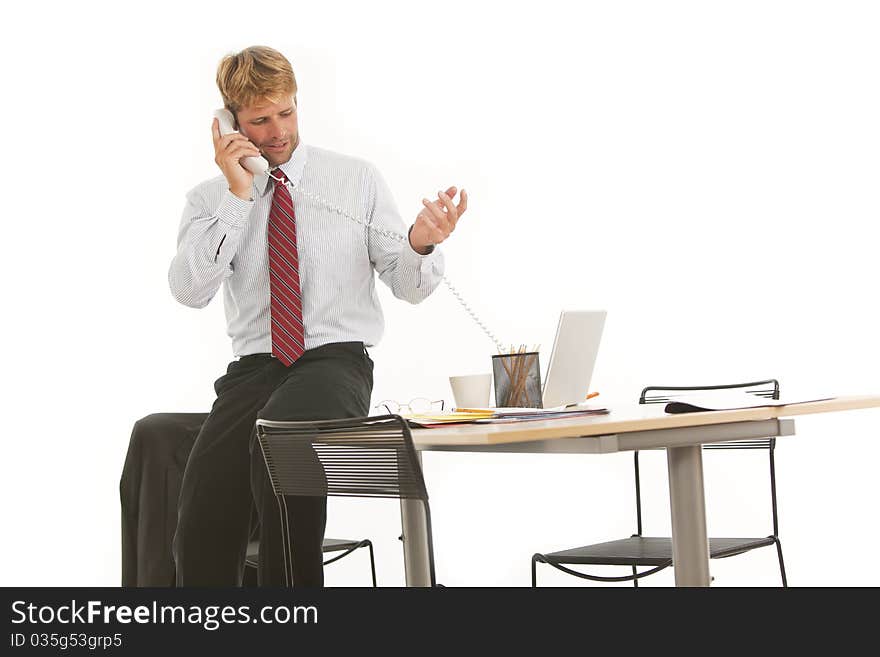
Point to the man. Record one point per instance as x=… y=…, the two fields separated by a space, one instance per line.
x=301 y=308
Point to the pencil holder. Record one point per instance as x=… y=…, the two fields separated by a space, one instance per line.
x=517 y=380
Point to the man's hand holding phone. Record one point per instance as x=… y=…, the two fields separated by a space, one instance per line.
x=228 y=152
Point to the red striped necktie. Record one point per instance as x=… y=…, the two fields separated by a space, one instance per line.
x=288 y=341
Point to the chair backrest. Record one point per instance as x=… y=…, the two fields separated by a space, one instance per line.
x=768 y=388
x=358 y=457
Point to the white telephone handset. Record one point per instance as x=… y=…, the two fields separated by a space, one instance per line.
x=259 y=166
x=256 y=165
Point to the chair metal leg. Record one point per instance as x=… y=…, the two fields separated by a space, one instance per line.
x=594 y=578
x=635 y=579
x=372 y=561
x=781 y=563
x=775 y=512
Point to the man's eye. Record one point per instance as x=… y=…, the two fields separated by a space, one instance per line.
x=287 y=113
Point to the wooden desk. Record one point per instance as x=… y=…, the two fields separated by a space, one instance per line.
x=626 y=428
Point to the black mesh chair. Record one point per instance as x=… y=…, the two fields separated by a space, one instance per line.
x=655 y=553
x=330 y=545
x=357 y=457
x=149 y=487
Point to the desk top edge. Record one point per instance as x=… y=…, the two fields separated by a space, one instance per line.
x=625 y=419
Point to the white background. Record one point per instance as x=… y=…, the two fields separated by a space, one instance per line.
x=705 y=171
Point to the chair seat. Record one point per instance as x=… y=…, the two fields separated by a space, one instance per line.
x=648 y=551
x=330 y=545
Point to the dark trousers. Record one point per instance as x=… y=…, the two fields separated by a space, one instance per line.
x=148 y=492
x=225 y=474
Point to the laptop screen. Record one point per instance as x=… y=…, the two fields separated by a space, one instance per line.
x=573 y=357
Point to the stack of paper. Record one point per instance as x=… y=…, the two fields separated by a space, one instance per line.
x=450 y=416
x=724 y=400
x=498 y=415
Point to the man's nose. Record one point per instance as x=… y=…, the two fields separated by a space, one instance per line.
x=277 y=131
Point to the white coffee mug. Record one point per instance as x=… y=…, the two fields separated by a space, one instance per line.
x=471 y=390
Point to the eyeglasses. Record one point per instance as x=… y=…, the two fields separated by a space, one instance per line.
x=417 y=405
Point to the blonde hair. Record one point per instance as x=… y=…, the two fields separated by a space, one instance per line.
x=254 y=74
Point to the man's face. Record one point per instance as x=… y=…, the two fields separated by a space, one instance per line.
x=272 y=127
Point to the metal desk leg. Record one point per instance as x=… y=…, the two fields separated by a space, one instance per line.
x=690 y=545
x=415 y=541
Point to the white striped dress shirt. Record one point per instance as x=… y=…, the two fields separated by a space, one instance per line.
x=222 y=241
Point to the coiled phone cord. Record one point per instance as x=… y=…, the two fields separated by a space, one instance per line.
x=400 y=238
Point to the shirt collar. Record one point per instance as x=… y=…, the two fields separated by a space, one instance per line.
x=293 y=169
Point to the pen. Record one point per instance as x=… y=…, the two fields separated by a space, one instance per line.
x=589 y=396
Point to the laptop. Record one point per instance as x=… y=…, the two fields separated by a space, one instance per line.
x=574 y=355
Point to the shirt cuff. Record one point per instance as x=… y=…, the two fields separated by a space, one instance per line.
x=424 y=264
x=409 y=244
x=234 y=211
